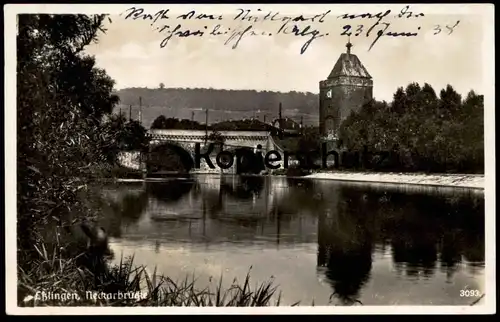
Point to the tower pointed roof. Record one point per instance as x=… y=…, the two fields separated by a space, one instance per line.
x=349 y=64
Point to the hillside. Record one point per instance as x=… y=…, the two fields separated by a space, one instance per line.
x=222 y=104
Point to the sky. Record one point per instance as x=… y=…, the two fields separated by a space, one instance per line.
x=130 y=50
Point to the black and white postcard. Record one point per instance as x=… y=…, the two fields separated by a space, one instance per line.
x=250 y=158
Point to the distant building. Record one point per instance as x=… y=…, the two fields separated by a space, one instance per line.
x=348 y=87
x=287 y=125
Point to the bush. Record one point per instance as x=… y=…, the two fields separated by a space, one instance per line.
x=420 y=131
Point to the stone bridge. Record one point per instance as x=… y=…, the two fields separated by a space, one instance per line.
x=184 y=142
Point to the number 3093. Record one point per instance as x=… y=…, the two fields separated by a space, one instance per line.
x=469 y=293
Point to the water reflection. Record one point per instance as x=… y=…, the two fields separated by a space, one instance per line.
x=424 y=232
x=246 y=188
x=363 y=235
x=169 y=191
x=345 y=243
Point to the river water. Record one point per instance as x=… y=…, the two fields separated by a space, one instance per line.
x=319 y=240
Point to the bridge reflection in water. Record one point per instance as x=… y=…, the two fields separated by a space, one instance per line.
x=380 y=246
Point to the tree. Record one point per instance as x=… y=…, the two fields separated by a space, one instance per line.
x=122 y=135
x=161 y=122
x=310 y=139
x=134 y=137
x=421 y=131
x=62 y=98
x=450 y=99
x=216 y=137
x=249 y=125
x=162 y=86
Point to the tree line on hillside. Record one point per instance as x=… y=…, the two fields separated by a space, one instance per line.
x=419 y=131
x=162 y=122
x=219 y=99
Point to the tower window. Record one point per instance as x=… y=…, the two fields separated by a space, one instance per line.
x=330 y=125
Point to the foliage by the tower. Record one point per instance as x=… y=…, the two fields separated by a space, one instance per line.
x=422 y=131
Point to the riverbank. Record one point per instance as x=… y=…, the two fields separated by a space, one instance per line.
x=61 y=282
x=473 y=181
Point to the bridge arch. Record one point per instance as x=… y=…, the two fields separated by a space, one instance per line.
x=169 y=156
x=245 y=160
x=231 y=141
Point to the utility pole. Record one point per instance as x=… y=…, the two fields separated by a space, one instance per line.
x=280 y=123
x=130 y=113
x=206 y=125
x=301 y=129
x=279 y=116
x=140 y=109
x=192 y=116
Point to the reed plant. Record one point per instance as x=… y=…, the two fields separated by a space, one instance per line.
x=50 y=274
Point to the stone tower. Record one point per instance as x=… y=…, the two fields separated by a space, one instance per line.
x=348 y=87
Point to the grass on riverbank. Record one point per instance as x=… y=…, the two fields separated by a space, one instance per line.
x=114 y=171
x=51 y=275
